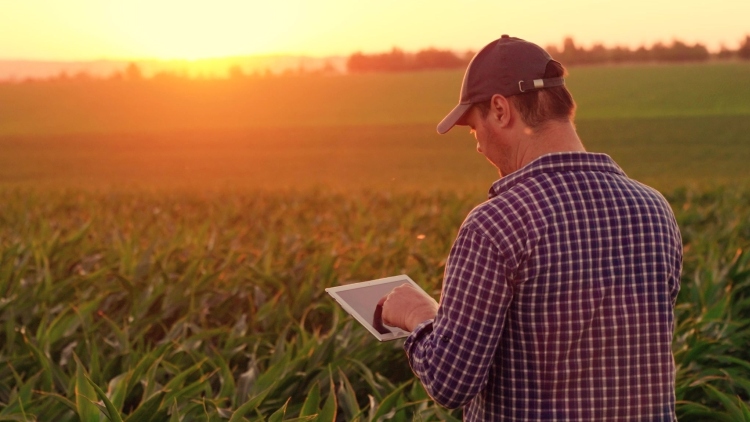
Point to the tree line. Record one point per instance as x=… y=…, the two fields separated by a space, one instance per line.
x=397 y=60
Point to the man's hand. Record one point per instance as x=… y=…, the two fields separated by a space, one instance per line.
x=406 y=307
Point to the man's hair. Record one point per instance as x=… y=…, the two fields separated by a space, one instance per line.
x=539 y=106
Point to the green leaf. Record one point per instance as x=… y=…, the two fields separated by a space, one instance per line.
x=729 y=404
x=117 y=389
x=175 y=412
x=147 y=362
x=330 y=408
x=278 y=415
x=388 y=403
x=251 y=404
x=173 y=386
x=18 y=418
x=273 y=373
x=85 y=395
x=43 y=361
x=445 y=416
x=112 y=412
x=120 y=334
x=25 y=392
x=228 y=386
x=63 y=400
x=189 y=391
x=310 y=406
x=63 y=325
x=147 y=410
x=348 y=397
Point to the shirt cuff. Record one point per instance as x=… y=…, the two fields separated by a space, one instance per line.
x=423 y=329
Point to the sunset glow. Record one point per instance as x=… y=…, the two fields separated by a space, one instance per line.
x=170 y=29
x=177 y=29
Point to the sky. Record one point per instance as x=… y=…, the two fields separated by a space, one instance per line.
x=190 y=29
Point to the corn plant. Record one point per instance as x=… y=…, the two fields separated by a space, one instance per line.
x=167 y=306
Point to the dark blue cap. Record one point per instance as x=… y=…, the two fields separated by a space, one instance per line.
x=507 y=66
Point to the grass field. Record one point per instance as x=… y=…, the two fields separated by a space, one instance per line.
x=667 y=125
x=164 y=246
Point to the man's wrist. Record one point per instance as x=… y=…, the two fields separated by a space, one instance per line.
x=419 y=315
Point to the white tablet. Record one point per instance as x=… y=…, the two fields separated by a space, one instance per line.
x=361 y=301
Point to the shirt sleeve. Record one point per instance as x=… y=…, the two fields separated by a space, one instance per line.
x=452 y=354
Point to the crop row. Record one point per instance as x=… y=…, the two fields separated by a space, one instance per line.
x=180 y=307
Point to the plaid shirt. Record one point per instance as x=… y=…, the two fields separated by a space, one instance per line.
x=558 y=299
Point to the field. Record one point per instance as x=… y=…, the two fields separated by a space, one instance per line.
x=164 y=245
x=669 y=126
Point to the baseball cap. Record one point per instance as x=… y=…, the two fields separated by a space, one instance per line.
x=507 y=66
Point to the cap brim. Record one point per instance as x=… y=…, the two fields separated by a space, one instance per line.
x=452 y=118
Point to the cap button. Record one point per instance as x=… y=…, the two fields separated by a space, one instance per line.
x=505 y=36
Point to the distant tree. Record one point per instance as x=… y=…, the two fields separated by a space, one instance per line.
x=597 y=54
x=432 y=58
x=116 y=76
x=571 y=54
x=725 y=53
x=568 y=54
x=681 y=52
x=570 y=51
x=397 y=60
x=621 y=54
x=62 y=76
x=164 y=76
x=133 y=72
x=236 y=73
x=82 y=76
x=357 y=62
x=658 y=51
x=393 y=61
x=553 y=51
x=744 y=51
x=328 y=68
x=642 y=54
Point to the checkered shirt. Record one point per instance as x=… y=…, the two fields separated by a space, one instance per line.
x=558 y=300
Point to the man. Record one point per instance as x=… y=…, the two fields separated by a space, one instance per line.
x=558 y=294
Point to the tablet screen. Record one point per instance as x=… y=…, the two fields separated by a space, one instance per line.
x=364 y=300
x=361 y=301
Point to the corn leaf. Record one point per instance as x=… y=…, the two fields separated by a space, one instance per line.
x=85 y=395
x=250 y=405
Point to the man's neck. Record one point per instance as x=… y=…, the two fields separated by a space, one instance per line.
x=552 y=137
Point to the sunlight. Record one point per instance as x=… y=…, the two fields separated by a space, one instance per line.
x=200 y=29
x=175 y=29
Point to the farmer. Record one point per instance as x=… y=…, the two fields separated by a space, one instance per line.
x=558 y=294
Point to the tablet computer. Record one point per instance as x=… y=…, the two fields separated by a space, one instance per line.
x=361 y=301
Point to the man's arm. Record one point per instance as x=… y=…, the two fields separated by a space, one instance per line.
x=452 y=354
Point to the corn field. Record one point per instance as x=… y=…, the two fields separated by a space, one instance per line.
x=118 y=306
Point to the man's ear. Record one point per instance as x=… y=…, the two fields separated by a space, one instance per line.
x=501 y=110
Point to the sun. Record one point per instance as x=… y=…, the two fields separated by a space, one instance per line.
x=170 y=29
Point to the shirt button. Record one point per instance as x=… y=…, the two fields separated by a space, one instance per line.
x=445 y=339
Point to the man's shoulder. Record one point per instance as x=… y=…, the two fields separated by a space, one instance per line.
x=502 y=206
x=502 y=215
x=530 y=204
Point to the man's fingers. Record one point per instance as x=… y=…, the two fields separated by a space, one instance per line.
x=400 y=304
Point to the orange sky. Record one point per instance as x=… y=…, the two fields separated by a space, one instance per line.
x=166 y=29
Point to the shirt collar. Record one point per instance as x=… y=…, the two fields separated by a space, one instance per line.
x=554 y=163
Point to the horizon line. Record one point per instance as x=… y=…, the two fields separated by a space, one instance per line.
x=324 y=56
